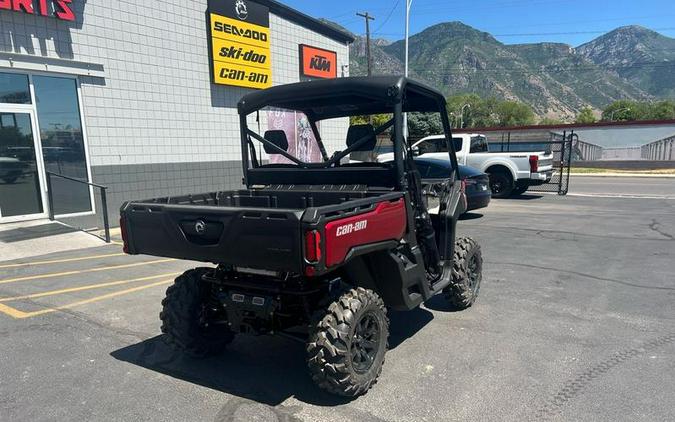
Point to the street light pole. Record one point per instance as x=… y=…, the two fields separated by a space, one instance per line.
x=611 y=116
x=408 y=4
x=461 y=115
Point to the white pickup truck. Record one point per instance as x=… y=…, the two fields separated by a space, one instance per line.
x=511 y=173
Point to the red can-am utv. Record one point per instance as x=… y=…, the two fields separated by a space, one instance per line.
x=324 y=244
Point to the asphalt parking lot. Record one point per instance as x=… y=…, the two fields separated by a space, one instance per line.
x=575 y=322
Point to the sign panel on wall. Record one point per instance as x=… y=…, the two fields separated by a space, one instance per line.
x=60 y=9
x=240 y=43
x=317 y=63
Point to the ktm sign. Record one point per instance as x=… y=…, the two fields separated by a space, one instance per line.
x=61 y=9
x=317 y=62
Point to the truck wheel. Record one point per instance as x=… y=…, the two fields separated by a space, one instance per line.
x=347 y=343
x=185 y=319
x=520 y=189
x=501 y=183
x=467 y=273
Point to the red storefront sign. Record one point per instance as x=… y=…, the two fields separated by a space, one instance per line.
x=61 y=9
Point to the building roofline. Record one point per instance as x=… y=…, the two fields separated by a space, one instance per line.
x=566 y=126
x=307 y=21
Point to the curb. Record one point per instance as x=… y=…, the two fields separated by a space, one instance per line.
x=664 y=176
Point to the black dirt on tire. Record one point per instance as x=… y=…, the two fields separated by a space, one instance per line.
x=343 y=359
x=183 y=321
x=501 y=184
x=467 y=273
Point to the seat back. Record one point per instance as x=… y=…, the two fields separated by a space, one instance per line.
x=278 y=138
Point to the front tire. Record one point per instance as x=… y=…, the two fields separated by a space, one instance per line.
x=467 y=274
x=347 y=344
x=185 y=313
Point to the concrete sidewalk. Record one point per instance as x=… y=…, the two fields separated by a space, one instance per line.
x=41 y=237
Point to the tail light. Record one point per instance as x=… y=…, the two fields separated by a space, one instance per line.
x=534 y=163
x=123 y=231
x=313 y=246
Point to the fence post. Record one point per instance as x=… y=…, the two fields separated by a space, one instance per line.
x=562 y=161
x=50 y=196
x=104 y=205
x=569 y=161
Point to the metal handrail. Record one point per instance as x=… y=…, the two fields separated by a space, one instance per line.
x=104 y=199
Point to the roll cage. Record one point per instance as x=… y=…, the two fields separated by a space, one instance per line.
x=345 y=97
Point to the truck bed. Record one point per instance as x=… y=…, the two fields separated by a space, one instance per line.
x=256 y=228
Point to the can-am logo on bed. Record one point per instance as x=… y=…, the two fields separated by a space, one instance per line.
x=60 y=9
x=240 y=43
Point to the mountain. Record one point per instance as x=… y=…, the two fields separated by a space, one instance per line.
x=557 y=80
x=639 y=55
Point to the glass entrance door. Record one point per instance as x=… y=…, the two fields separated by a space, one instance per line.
x=21 y=188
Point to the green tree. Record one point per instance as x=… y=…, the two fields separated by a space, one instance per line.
x=662 y=110
x=378 y=119
x=513 y=113
x=470 y=110
x=424 y=124
x=585 y=116
x=551 y=121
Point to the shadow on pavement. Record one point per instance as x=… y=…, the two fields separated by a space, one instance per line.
x=525 y=197
x=265 y=369
x=470 y=216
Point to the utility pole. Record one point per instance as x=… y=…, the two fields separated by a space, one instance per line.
x=368 y=18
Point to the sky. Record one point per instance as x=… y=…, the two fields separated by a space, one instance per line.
x=572 y=22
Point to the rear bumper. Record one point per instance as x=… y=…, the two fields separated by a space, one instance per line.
x=478 y=200
x=540 y=178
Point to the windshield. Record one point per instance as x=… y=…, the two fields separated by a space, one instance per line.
x=279 y=136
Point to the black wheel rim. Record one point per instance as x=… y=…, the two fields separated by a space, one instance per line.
x=474 y=274
x=497 y=184
x=365 y=343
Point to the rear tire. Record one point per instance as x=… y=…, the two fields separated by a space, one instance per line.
x=347 y=344
x=467 y=273
x=501 y=183
x=520 y=189
x=184 y=317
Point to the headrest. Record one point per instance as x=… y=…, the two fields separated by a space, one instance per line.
x=278 y=138
x=356 y=132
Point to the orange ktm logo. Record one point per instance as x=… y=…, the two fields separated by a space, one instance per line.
x=317 y=62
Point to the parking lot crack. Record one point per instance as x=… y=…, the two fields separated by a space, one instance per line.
x=593 y=277
x=655 y=226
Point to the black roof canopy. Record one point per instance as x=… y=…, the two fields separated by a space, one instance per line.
x=329 y=98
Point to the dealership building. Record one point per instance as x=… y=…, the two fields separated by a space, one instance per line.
x=140 y=98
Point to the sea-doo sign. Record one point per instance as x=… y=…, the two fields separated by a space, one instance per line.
x=317 y=63
x=60 y=9
x=240 y=43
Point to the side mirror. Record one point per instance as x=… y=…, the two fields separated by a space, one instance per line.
x=416 y=151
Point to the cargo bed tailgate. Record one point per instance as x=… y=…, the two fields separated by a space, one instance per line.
x=259 y=238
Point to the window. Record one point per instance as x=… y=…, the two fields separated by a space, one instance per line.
x=438 y=145
x=62 y=139
x=479 y=144
x=14 y=88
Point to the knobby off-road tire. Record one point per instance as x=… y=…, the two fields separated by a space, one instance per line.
x=347 y=343
x=184 y=317
x=467 y=273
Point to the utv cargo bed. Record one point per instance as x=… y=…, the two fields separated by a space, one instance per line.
x=257 y=229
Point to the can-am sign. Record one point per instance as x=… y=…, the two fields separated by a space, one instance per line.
x=61 y=9
x=240 y=43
